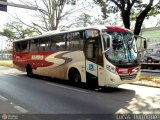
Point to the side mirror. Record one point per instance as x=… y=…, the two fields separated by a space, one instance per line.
x=107 y=42
x=141 y=43
x=145 y=44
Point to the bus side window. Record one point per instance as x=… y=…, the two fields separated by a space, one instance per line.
x=44 y=44
x=57 y=42
x=79 y=40
x=48 y=44
x=69 y=41
x=17 y=47
x=34 y=45
x=76 y=41
x=22 y=46
x=53 y=43
x=60 y=43
x=99 y=53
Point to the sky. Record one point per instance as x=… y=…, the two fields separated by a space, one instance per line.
x=6 y=17
x=26 y=14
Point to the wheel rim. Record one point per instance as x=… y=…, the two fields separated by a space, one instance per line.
x=149 y=60
x=76 y=78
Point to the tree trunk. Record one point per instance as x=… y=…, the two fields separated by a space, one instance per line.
x=141 y=18
x=126 y=18
x=138 y=25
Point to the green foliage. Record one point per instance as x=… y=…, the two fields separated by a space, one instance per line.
x=14 y=30
x=154 y=11
x=82 y=20
x=131 y=10
x=103 y=6
x=138 y=6
x=8 y=33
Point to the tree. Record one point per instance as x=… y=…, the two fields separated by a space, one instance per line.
x=110 y=20
x=83 y=20
x=15 y=30
x=50 y=13
x=131 y=10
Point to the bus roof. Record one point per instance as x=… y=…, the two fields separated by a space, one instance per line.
x=98 y=27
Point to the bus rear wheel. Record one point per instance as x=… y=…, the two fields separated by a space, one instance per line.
x=29 y=71
x=74 y=76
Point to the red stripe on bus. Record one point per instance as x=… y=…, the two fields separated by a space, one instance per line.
x=35 y=59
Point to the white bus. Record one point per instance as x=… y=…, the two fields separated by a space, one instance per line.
x=100 y=56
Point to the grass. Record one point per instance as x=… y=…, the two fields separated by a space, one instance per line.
x=149 y=80
x=6 y=63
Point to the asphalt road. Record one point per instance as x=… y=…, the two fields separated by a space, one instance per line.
x=20 y=94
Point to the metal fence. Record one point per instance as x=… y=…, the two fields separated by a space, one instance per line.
x=5 y=55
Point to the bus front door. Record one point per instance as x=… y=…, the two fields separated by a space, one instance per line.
x=93 y=61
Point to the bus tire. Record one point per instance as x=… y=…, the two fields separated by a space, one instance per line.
x=74 y=76
x=29 y=71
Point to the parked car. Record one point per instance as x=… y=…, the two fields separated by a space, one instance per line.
x=152 y=57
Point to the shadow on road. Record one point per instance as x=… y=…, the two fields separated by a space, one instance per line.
x=81 y=85
x=128 y=102
x=80 y=99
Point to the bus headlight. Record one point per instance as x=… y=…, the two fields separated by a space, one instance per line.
x=111 y=69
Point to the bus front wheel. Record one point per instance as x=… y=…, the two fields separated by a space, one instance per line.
x=74 y=76
x=29 y=71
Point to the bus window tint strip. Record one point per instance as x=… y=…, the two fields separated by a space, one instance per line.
x=67 y=41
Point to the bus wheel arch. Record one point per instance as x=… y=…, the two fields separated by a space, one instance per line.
x=29 y=70
x=74 y=75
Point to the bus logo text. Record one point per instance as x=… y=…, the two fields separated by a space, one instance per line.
x=37 y=57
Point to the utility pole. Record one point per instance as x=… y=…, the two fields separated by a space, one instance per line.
x=4 y=4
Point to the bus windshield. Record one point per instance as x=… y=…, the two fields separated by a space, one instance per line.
x=123 y=49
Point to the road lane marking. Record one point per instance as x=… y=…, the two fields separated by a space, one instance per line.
x=19 y=108
x=3 y=98
x=66 y=87
x=11 y=74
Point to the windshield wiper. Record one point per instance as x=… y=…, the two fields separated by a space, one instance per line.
x=106 y=50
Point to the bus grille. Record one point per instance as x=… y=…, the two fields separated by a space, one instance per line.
x=128 y=77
